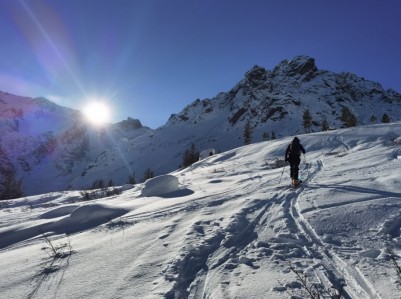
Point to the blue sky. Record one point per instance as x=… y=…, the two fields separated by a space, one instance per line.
x=149 y=59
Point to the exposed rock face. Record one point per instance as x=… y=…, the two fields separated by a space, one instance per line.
x=130 y=124
x=256 y=76
x=52 y=148
x=274 y=102
x=293 y=86
x=300 y=65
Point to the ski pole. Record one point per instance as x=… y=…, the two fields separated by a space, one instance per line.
x=307 y=167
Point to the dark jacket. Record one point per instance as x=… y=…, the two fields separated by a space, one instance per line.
x=294 y=150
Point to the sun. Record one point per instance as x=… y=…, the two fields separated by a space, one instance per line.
x=97 y=113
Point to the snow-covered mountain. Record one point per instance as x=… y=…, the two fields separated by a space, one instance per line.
x=51 y=146
x=63 y=152
x=229 y=226
x=274 y=101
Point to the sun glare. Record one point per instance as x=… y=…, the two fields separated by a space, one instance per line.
x=97 y=113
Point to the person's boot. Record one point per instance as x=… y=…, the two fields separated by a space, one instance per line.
x=295 y=182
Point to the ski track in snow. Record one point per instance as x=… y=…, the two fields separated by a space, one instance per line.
x=336 y=270
x=329 y=270
x=228 y=222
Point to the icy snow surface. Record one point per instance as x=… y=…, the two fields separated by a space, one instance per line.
x=229 y=226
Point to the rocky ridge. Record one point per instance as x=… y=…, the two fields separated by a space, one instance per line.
x=52 y=148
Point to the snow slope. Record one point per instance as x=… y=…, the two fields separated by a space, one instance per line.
x=229 y=226
x=53 y=149
x=49 y=146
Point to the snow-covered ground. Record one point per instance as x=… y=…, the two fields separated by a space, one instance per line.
x=229 y=226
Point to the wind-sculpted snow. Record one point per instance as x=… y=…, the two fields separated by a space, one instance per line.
x=164 y=186
x=160 y=185
x=229 y=226
x=58 y=212
x=77 y=218
x=97 y=213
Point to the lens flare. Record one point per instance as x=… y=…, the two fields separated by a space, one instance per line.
x=97 y=113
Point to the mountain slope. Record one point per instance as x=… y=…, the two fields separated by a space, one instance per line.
x=228 y=226
x=51 y=145
x=63 y=152
x=272 y=102
x=275 y=100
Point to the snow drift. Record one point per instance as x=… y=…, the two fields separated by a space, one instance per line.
x=238 y=231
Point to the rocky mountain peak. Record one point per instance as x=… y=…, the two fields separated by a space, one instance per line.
x=299 y=65
x=271 y=102
x=130 y=124
x=256 y=73
x=256 y=76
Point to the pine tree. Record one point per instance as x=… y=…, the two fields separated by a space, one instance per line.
x=10 y=186
x=273 y=135
x=247 y=133
x=190 y=156
x=325 y=124
x=385 y=118
x=266 y=136
x=373 y=119
x=98 y=184
x=148 y=174
x=307 y=121
x=131 y=179
x=348 y=118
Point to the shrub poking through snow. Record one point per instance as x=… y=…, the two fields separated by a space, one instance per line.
x=312 y=290
x=100 y=193
x=56 y=253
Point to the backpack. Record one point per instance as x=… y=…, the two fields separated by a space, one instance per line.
x=295 y=149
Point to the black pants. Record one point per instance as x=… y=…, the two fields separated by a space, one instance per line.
x=294 y=167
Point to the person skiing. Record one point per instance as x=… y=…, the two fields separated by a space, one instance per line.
x=293 y=156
